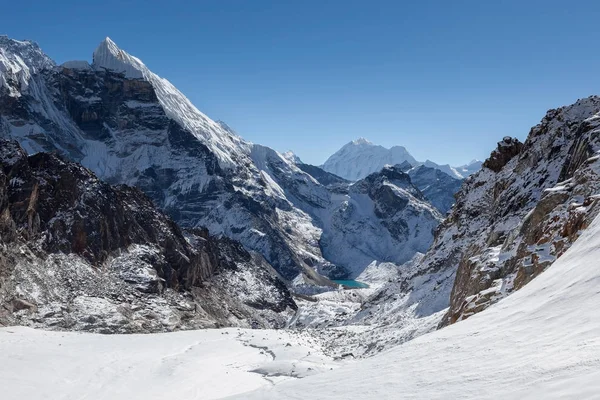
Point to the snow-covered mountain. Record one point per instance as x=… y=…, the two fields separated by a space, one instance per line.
x=383 y=217
x=130 y=126
x=526 y=206
x=359 y=158
x=437 y=187
x=470 y=168
x=512 y=219
x=540 y=343
x=79 y=254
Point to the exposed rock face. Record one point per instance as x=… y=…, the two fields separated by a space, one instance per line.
x=522 y=210
x=437 y=187
x=506 y=227
x=80 y=254
x=506 y=150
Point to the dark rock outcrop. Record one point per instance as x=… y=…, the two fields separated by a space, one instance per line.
x=506 y=150
x=68 y=238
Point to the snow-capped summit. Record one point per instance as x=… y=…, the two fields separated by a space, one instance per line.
x=109 y=56
x=292 y=157
x=359 y=158
x=361 y=141
x=19 y=60
x=223 y=142
x=470 y=168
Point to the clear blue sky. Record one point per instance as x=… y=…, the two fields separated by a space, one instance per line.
x=446 y=79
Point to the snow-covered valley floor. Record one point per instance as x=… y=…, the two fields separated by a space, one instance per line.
x=203 y=364
x=541 y=342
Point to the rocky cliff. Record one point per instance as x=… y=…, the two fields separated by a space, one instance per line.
x=511 y=220
x=80 y=254
x=524 y=209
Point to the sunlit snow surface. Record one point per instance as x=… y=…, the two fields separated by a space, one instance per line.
x=541 y=342
x=204 y=364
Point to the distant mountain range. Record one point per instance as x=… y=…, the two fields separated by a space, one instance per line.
x=360 y=157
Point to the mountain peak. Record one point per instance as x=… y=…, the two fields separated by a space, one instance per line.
x=361 y=141
x=19 y=60
x=359 y=158
x=109 y=56
x=292 y=157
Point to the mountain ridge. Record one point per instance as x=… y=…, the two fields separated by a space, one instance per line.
x=130 y=126
x=360 y=157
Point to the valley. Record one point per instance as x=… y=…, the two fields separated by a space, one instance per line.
x=147 y=250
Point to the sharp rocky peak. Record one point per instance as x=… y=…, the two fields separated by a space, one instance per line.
x=109 y=56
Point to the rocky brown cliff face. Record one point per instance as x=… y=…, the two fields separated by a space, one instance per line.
x=74 y=245
x=510 y=221
x=523 y=209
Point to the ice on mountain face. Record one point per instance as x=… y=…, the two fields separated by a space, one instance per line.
x=292 y=157
x=19 y=60
x=227 y=146
x=108 y=56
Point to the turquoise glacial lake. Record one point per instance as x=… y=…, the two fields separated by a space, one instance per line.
x=351 y=283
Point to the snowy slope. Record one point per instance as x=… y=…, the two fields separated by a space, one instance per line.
x=203 y=365
x=542 y=342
